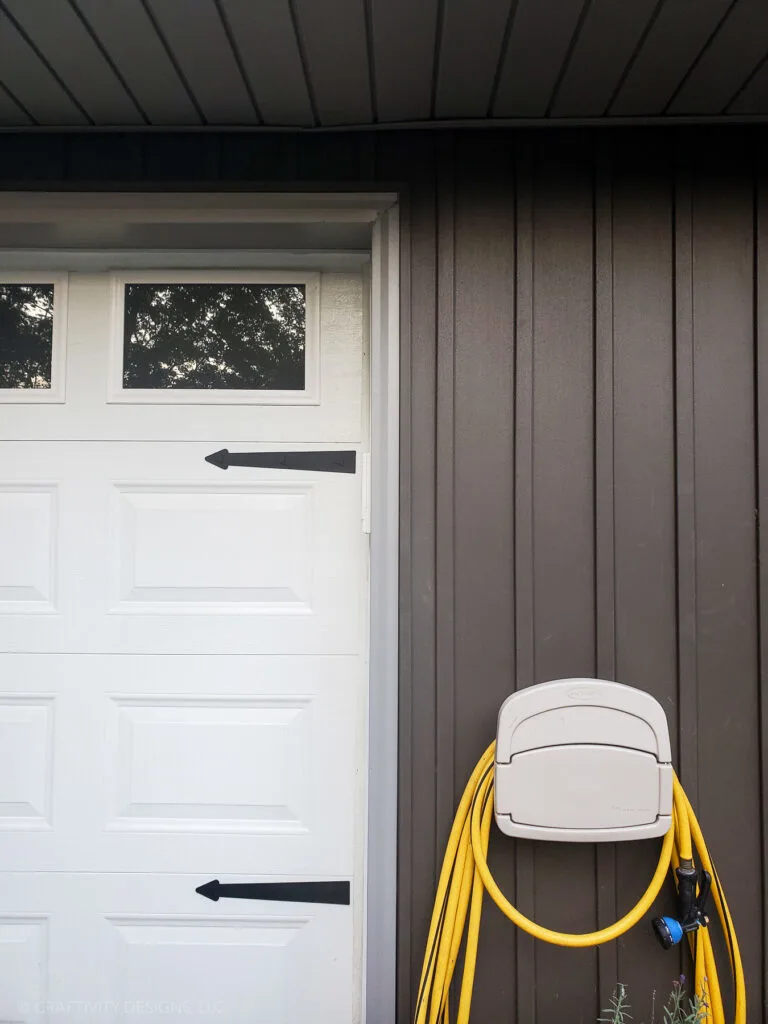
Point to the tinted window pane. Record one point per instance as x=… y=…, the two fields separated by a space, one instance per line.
x=224 y=336
x=26 y=335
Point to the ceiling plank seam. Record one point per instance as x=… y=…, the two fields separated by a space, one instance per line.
x=746 y=83
x=108 y=58
x=439 y=26
x=15 y=100
x=715 y=32
x=51 y=70
x=368 y=18
x=634 y=56
x=304 y=62
x=238 y=58
x=172 y=58
x=502 y=57
x=568 y=55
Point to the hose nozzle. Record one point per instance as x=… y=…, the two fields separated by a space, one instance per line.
x=690 y=908
x=667 y=930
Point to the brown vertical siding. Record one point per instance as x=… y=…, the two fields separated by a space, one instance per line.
x=563 y=508
x=584 y=406
x=761 y=440
x=643 y=498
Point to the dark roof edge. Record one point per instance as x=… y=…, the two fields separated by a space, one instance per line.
x=464 y=123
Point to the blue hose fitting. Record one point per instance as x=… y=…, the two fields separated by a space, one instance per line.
x=668 y=931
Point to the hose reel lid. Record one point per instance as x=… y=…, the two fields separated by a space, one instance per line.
x=582 y=760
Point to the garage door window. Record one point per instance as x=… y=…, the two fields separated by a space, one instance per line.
x=32 y=317
x=243 y=338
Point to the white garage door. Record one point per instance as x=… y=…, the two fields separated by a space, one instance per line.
x=183 y=648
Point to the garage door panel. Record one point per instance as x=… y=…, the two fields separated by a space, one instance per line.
x=154 y=946
x=126 y=547
x=223 y=764
x=84 y=408
x=183 y=650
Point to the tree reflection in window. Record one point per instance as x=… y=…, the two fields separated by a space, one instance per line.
x=223 y=336
x=26 y=335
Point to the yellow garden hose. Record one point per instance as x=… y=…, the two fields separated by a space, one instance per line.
x=465 y=877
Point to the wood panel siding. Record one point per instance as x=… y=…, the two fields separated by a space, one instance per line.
x=584 y=411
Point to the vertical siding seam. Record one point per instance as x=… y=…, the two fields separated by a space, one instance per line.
x=761 y=503
x=445 y=510
x=685 y=477
x=512 y=212
x=406 y=738
x=605 y=596
x=525 y=668
x=605 y=581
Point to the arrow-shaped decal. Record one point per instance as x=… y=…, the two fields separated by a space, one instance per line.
x=315 y=462
x=284 y=892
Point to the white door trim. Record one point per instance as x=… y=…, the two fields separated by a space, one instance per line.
x=194 y=207
x=379 y=209
x=381 y=858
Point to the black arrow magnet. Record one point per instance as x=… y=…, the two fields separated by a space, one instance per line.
x=314 y=462
x=284 y=892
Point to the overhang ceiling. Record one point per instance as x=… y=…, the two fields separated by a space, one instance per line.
x=336 y=63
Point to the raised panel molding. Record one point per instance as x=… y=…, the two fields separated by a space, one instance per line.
x=23 y=968
x=187 y=549
x=26 y=762
x=168 y=962
x=28 y=548
x=211 y=764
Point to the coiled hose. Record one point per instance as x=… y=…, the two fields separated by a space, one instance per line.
x=465 y=876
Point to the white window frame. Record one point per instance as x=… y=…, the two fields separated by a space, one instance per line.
x=215 y=396
x=56 y=393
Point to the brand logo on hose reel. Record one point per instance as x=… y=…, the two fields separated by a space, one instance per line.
x=582 y=693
